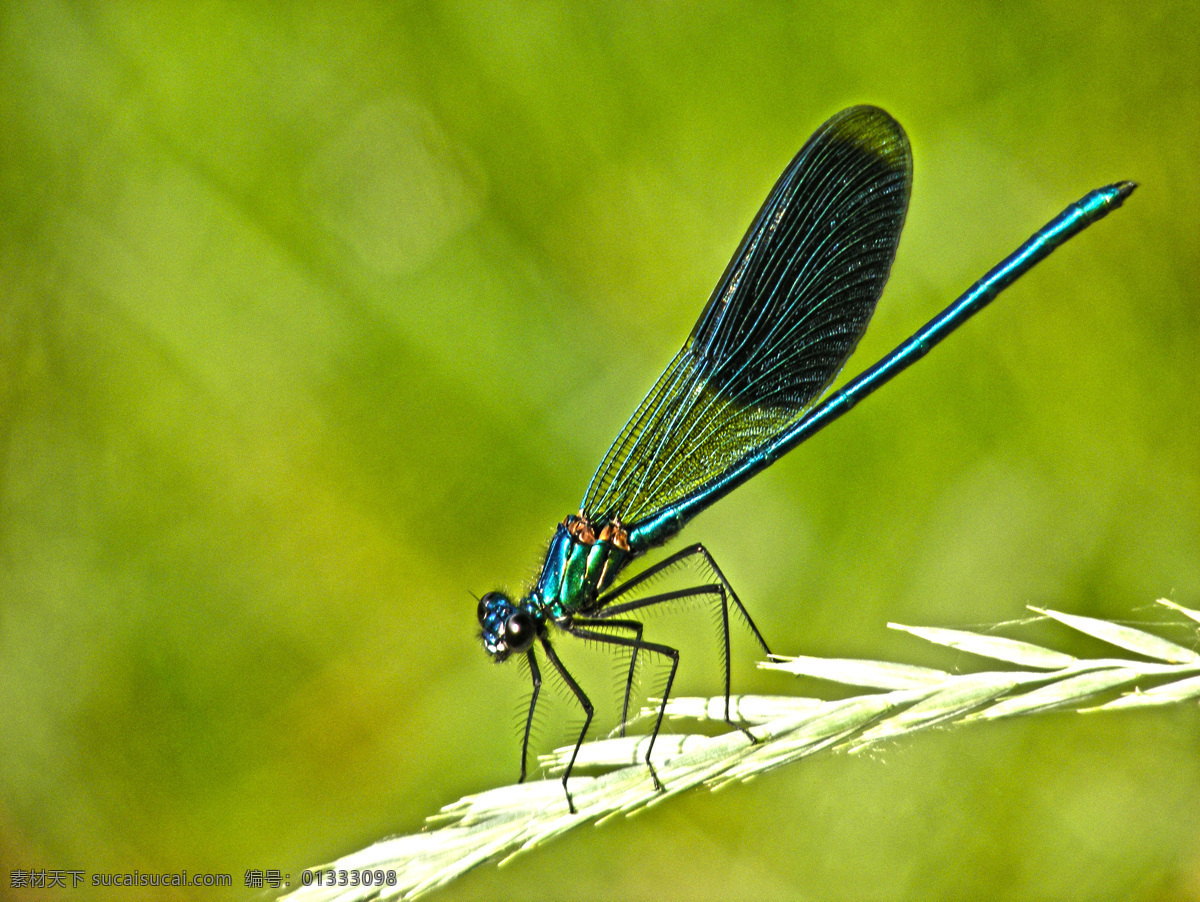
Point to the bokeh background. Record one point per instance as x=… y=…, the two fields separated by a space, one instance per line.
x=315 y=319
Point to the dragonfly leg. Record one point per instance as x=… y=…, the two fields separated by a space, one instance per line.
x=537 y=687
x=587 y=709
x=677 y=559
x=721 y=589
x=583 y=632
x=634 y=626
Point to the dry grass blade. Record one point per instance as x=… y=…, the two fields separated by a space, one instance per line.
x=501 y=823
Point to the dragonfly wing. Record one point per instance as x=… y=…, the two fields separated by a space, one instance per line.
x=789 y=310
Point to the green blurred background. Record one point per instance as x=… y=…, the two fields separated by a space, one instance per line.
x=315 y=319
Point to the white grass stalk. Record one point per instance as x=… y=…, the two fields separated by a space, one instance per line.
x=501 y=823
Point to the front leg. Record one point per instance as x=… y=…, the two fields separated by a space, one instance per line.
x=588 y=711
x=537 y=687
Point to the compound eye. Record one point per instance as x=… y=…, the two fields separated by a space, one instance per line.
x=519 y=632
x=485 y=604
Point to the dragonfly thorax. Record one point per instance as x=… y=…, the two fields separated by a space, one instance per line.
x=583 y=560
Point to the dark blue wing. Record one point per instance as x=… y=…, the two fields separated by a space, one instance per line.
x=785 y=316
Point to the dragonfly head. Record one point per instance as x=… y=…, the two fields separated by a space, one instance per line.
x=506 y=628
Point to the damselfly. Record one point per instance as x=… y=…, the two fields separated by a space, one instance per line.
x=789 y=310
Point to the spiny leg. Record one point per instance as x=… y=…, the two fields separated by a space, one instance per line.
x=635 y=627
x=587 y=710
x=717 y=592
x=722 y=588
x=636 y=644
x=537 y=687
x=674 y=560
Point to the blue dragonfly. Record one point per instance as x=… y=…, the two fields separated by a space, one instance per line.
x=741 y=393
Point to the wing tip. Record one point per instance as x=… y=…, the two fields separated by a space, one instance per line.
x=873 y=130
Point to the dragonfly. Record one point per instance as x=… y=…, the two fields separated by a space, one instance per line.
x=745 y=389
